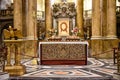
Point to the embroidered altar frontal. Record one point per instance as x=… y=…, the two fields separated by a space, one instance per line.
x=63 y=53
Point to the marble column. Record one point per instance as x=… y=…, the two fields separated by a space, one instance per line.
x=18 y=14
x=104 y=18
x=96 y=19
x=48 y=16
x=79 y=17
x=24 y=17
x=111 y=19
x=32 y=20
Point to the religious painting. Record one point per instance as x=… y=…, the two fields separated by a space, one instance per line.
x=63 y=27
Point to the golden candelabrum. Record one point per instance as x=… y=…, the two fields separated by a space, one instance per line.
x=13 y=41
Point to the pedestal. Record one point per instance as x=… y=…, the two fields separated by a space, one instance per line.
x=16 y=69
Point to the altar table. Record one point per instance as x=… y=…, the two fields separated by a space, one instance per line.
x=63 y=53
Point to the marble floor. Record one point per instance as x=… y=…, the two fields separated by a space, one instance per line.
x=97 y=69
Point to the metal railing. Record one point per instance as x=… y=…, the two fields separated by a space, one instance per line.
x=116 y=57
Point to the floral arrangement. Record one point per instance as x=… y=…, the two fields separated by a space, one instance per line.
x=52 y=32
x=76 y=31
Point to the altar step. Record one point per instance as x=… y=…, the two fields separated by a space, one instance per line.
x=59 y=78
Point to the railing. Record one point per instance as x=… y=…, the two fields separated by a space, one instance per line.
x=116 y=57
x=114 y=50
x=30 y=57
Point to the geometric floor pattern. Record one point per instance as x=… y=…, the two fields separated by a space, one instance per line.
x=63 y=73
x=102 y=69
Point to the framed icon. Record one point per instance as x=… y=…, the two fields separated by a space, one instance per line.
x=63 y=27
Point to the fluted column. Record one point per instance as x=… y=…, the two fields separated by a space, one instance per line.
x=18 y=14
x=96 y=19
x=111 y=18
x=48 y=16
x=32 y=20
x=80 y=16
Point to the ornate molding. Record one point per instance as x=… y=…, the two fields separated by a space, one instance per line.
x=64 y=10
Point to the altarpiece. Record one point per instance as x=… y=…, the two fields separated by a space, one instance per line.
x=63 y=46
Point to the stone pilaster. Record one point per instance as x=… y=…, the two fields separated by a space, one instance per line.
x=48 y=16
x=79 y=17
x=18 y=14
x=32 y=20
x=96 y=19
x=111 y=18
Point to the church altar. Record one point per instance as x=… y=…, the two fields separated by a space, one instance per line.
x=63 y=53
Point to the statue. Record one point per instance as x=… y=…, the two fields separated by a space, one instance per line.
x=12 y=34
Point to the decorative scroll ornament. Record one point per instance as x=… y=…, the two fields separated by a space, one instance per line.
x=64 y=10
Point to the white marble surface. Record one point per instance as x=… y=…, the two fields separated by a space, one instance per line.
x=4 y=76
